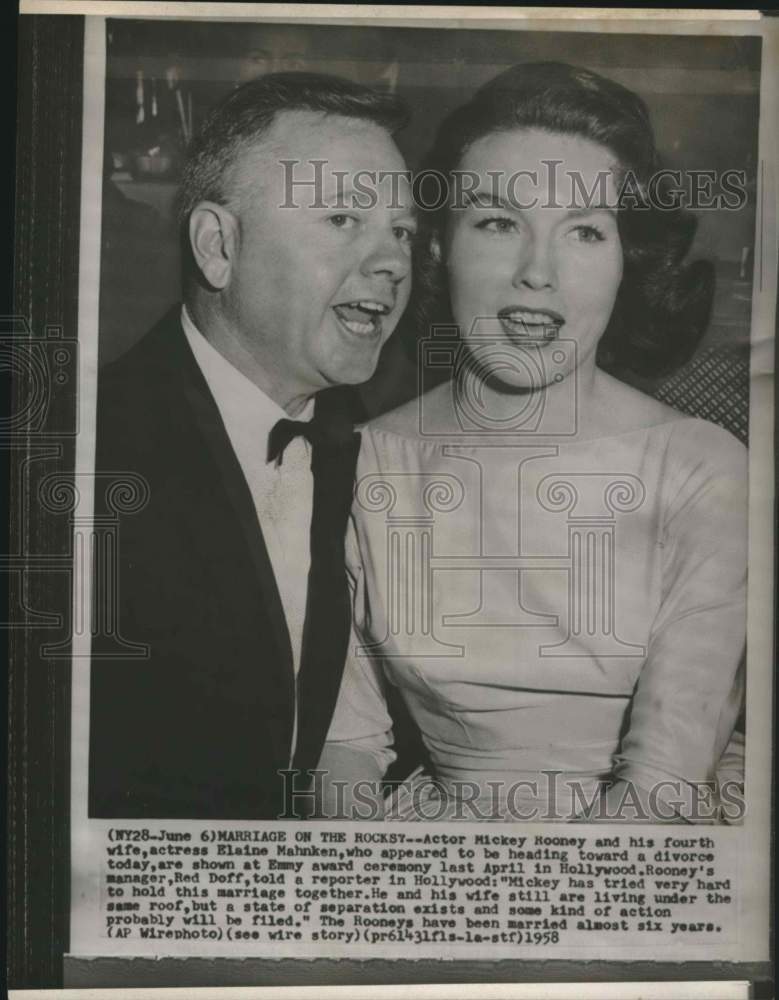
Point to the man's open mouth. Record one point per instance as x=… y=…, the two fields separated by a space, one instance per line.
x=362 y=318
x=537 y=326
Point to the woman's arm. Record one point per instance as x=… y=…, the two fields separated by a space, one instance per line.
x=686 y=700
x=351 y=783
x=358 y=749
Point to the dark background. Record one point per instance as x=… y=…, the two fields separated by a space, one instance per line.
x=703 y=95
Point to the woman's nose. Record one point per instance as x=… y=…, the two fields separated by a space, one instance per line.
x=536 y=268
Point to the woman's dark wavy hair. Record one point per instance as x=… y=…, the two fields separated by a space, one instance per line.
x=663 y=304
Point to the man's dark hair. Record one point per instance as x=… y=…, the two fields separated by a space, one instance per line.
x=243 y=116
x=664 y=302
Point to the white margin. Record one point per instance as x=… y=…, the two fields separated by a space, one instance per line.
x=88 y=303
x=191 y=11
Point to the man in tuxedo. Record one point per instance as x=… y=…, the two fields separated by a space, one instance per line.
x=296 y=229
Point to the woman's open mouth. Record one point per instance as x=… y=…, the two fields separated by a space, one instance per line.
x=362 y=318
x=530 y=325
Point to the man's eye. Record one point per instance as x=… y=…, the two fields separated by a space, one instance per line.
x=342 y=221
x=588 y=234
x=497 y=224
x=404 y=234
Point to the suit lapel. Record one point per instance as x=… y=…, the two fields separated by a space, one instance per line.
x=224 y=494
x=222 y=517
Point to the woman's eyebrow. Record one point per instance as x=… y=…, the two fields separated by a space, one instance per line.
x=479 y=198
x=489 y=199
x=486 y=199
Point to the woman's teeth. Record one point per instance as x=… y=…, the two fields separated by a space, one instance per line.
x=531 y=324
x=530 y=318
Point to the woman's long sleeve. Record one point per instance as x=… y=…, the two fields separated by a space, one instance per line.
x=687 y=696
x=361 y=722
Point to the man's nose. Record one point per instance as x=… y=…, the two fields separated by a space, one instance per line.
x=388 y=258
x=536 y=266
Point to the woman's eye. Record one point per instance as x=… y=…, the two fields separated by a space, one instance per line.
x=497 y=224
x=342 y=221
x=588 y=234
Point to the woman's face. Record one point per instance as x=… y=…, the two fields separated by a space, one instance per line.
x=533 y=254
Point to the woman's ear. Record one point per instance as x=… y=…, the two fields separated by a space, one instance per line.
x=213 y=237
x=435 y=249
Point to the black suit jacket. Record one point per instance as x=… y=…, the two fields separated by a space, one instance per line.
x=201 y=726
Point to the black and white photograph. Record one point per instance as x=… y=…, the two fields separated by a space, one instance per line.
x=409 y=445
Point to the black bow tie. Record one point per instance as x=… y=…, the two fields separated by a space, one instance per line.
x=283 y=432
x=328 y=431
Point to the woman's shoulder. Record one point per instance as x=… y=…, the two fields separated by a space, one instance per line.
x=706 y=452
x=687 y=436
x=690 y=442
x=699 y=471
x=626 y=408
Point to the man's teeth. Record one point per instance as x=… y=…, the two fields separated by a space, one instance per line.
x=357 y=327
x=369 y=306
x=366 y=305
x=361 y=317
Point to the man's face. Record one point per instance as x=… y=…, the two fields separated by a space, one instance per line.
x=318 y=285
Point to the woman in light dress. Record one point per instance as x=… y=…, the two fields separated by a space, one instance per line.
x=548 y=564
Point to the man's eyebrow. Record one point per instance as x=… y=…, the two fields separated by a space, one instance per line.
x=351 y=196
x=332 y=189
x=411 y=209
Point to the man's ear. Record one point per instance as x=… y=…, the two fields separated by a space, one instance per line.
x=435 y=249
x=213 y=237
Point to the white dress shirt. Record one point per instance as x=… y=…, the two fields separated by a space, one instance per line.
x=282 y=494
